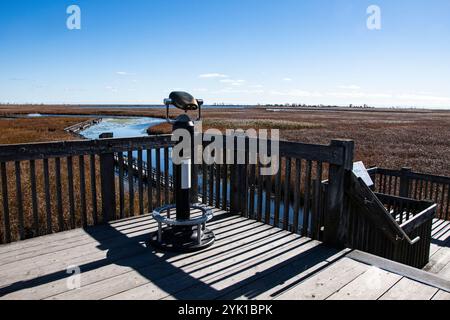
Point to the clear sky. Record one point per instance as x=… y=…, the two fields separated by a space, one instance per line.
x=231 y=51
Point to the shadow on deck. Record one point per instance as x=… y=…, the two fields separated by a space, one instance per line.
x=249 y=260
x=116 y=261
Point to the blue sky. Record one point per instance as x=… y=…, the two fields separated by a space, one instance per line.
x=231 y=51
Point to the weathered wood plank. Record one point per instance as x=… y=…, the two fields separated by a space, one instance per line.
x=287 y=194
x=140 y=183
x=130 y=184
x=93 y=179
x=83 y=191
x=5 y=199
x=71 y=191
x=407 y=289
x=441 y=295
x=368 y=286
x=34 y=198
x=59 y=204
x=327 y=282
x=19 y=197
x=401 y=269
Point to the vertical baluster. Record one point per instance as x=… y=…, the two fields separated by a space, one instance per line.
x=224 y=179
x=390 y=185
x=426 y=190
x=150 y=180
x=140 y=183
x=204 y=185
x=421 y=191
x=34 y=199
x=130 y=182
x=447 y=207
x=416 y=184
x=6 y=219
x=441 y=206
x=287 y=181
x=48 y=207
x=166 y=175
x=83 y=191
x=252 y=191
x=158 y=177
x=297 y=189
x=59 y=205
x=380 y=183
x=225 y=187
x=436 y=195
x=94 y=189
x=19 y=198
x=385 y=178
x=430 y=190
x=278 y=194
x=260 y=194
x=441 y=212
x=71 y=195
x=211 y=185
x=315 y=216
x=306 y=204
x=218 y=176
x=121 y=163
x=268 y=179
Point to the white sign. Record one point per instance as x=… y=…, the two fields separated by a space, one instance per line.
x=361 y=172
x=185 y=174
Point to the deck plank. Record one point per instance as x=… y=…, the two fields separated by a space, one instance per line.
x=325 y=283
x=442 y=295
x=368 y=286
x=407 y=289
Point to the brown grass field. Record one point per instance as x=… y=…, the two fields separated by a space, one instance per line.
x=389 y=138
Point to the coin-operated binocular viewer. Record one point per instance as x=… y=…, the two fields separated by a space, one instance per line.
x=187 y=231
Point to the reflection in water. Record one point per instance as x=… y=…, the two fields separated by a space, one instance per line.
x=121 y=127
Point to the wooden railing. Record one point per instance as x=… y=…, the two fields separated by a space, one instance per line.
x=408 y=184
x=293 y=198
x=392 y=227
x=52 y=187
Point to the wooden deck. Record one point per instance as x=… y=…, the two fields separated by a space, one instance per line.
x=440 y=249
x=249 y=260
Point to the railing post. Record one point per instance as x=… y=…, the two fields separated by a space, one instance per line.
x=337 y=214
x=234 y=183
x=108 y=186
x=404 y=182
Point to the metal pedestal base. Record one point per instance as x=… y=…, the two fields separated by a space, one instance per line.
x=182 y=241
x=182 y=235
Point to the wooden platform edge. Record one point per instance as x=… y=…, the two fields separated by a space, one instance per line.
x=401 y=269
